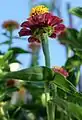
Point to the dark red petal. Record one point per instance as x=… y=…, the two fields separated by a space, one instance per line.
x=25 y=32
x=41 y=19
x=38 y=21
x=52 y=20
x=59 y=28
x=53 y=35
x=33 y=39
x=33 y=21
x=48 y=18
x=55 y=20
x=25 y=24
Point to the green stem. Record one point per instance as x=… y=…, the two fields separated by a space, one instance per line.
x=53 y=109
x=78 y=75
x=47 y=104
x=11 y=36
x=34 y=60
x=45 y=47
x=54 y=95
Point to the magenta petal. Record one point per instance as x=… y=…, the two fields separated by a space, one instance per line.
x=33 y=39
x=53 y=35
x=52 y=20
x=48 y=18
x=55 y=20
x=26 y=24
x=59 y=28
x=25 y=32
x=41 y=19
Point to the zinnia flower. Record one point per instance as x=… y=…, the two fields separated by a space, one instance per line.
x=60 y=70
x=41 y=21
x=10 y=25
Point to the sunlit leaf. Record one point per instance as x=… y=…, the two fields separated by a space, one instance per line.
x=8 y=55
x=63 y=83
x=32 y=74
x=76 y=11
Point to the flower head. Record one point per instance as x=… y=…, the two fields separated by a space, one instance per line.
x=10 y=25
x=60 y=70
x=41 y=21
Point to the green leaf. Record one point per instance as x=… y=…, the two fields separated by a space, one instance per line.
x=78 y=52
x=31 y=74
x=76 y=11
x=6 y=42
x=1 y=61
x=80 y=35
x=73 y=62
x=72 y=77
x=64 y=84
x=70 y=37
x=8 y=55
x=75 y=98
x=17 y=50
x=73 y=109
x=4 y=59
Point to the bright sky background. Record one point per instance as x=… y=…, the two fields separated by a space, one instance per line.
x=19 y=10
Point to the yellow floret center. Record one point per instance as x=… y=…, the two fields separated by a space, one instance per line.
x=41 y=9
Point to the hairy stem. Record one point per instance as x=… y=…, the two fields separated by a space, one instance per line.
x=45 y=47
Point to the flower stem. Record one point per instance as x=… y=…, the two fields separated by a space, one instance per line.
x=54 y=106
x=10 y=39
x=34 y=59
x=47 y=104
x=54 y=95
x=45 y=48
